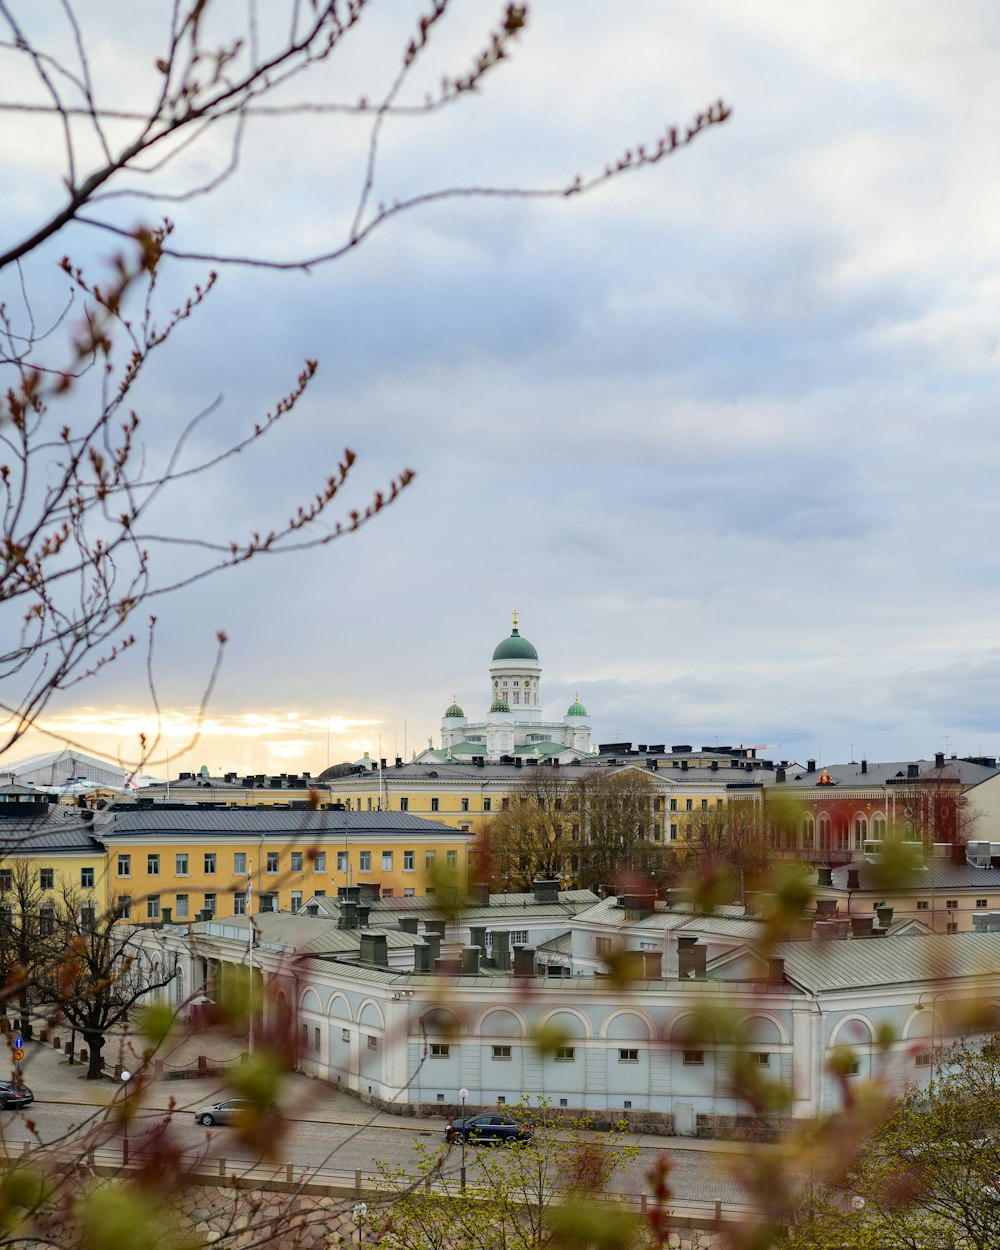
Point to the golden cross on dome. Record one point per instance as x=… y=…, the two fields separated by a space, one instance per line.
x=515 y=618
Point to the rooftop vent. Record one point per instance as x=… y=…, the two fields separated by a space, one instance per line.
x=546 y=891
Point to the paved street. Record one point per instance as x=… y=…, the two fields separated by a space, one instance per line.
x=324 y=1129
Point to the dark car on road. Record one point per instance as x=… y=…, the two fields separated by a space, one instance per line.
x=15 y=1095
x=232 y=1110
x=491 y=1126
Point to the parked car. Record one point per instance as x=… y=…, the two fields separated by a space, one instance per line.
x=491 y=1126
x=231 y=1110
x=15 y=1095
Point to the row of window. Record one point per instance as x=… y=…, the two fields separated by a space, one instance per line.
x=567 y=1054
x=46 y=879
x=272 y=863
x=181 y=905
x=572 y=805
x=951 y=904
x=404 y=804
x=628 y=1054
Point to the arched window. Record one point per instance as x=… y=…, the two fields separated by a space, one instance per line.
x=808 y=830
x=823 y=824
x=860 y=832
x=878 y=825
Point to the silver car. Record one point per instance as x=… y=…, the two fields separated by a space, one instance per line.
x=232 y=1110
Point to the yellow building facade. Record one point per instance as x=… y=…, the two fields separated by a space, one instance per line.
x=467 y=795
x=197 y=861
x=47 y=851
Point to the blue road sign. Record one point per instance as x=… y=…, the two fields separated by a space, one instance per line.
x=19 y=1043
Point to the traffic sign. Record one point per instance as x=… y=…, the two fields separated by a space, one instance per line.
x=19 y=1043
x=18 y=1053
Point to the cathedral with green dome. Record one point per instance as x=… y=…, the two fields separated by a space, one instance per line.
x=515 y=725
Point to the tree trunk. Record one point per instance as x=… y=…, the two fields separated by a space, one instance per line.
x=95 y=1042
x=24 y=1011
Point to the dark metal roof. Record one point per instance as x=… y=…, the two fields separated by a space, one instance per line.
x=893 y=772
x=255 y=822
x=57 y=829
x=939 y=874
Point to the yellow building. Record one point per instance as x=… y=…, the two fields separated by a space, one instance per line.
x=47 y=851
x=467 y=795
x=192 y=860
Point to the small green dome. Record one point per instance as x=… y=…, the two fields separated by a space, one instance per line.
x=515 y=647
x=499 y=704
x=454 y=710
x=576 y=708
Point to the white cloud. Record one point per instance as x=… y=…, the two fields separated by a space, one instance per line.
x=724 y=432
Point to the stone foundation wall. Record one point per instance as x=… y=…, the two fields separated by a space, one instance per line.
x=740 y=1127
x=250 y=1217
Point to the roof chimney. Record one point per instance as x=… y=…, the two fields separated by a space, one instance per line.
x=375 y=949
x=824 y=876
x=939 y=760
x=348 y=914
x=546 y=891
x=433 y=943
x=691 y=961
x=500 y=946
x=810 y=766
x=524 y=961
x=912 y=770
x=779 y=774
x=864 y=766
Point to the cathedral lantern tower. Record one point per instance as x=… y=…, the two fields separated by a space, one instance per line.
x=515 y=678
x=514 y=727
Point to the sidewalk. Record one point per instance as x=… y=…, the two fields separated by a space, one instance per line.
x=54 y=1080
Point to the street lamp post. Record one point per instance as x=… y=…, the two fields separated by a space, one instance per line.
x=126 y=1076
x=463 y=1093
x=360 y=1214
x=934 y=999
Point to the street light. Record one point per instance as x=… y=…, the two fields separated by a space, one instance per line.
x=934 y=999
x=126 y=1076
x=463 y=1093
x=360 y=1214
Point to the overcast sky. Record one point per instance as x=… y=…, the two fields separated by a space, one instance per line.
x=724 y=432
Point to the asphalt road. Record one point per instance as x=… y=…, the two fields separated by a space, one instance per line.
x=326 y=1130
x=698 y=1176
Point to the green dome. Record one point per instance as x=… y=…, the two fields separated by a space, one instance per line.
x=499 y=704
x=515 y=648
x=454 y=710
x=576 y=708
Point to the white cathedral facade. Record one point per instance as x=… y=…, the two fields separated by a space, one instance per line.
x=515 y=724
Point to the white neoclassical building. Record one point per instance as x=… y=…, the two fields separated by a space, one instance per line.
x=515 y=724
x=405 y=1008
